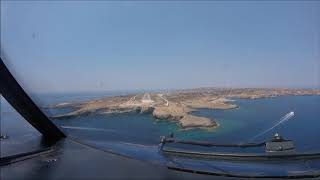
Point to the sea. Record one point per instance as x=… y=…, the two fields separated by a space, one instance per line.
x=239 y=125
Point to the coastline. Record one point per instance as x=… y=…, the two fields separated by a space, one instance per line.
x=175 y=106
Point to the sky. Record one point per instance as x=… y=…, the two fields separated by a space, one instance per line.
x=75 y=46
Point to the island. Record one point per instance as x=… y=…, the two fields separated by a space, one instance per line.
x=176 y=105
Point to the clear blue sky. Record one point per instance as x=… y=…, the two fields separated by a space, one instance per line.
x=104 y=45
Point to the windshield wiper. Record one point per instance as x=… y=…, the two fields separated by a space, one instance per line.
x=310 y=174
x=276 y=148
x=165 y=140
x=23 y=156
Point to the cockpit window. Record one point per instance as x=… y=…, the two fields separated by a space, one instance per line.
x=119 y=75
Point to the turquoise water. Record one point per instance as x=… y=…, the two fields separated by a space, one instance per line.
x=255 y=116
x=235 y=125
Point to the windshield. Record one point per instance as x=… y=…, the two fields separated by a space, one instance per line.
x=119 y=75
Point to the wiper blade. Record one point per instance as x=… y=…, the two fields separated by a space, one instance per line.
x=309 y=174
x=240 y=156
x=210 y=144
x=23 y=156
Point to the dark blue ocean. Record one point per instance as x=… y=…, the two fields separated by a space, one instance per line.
x=235 y=125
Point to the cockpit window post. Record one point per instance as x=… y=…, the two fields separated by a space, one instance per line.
x=23 y=104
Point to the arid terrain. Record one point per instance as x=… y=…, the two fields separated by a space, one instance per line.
x=176 y=105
